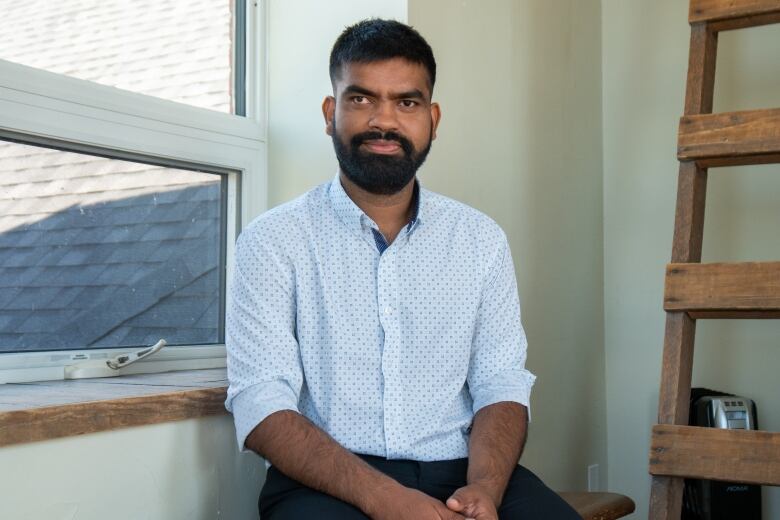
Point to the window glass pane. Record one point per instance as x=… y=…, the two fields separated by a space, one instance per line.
x=171 y=49
x=99 y=252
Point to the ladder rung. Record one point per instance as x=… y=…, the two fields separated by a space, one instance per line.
x=748 y=456
x=731 y=14
x=731 y=138
x=724 y=290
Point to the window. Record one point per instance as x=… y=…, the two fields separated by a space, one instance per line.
x=118 y=209
x=98 y=252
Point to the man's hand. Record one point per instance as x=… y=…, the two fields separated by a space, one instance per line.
x=496 y=442
x=474 y=502
x=410 y=504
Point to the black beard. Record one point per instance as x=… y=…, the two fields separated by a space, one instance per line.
x=376 y=173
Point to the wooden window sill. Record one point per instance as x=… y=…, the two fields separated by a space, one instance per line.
x=31 y=412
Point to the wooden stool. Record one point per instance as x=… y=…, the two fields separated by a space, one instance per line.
x=599 y=506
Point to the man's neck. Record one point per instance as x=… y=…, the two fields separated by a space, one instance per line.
x=390 y=212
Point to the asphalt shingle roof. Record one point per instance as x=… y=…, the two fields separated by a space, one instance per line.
x=138 y=262
x=171 y=49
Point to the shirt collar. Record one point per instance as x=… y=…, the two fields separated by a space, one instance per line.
x=416 y=203
x=349 y=213
x=354 y=217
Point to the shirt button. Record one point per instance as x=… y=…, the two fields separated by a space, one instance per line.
x=388 y=310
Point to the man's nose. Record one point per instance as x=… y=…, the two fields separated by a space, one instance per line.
x=384 y=117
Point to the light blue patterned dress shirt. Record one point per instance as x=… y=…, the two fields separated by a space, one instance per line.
x=390 y=350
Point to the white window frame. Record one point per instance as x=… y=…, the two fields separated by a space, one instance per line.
x=44 y=107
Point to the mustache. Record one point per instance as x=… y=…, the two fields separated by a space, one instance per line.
x=406 y=144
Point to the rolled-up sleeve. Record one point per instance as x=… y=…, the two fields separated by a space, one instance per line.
x=263 y=358
x=497 y=369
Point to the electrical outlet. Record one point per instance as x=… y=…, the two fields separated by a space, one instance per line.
x=593 y=478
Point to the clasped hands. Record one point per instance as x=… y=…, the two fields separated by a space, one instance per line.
x=471 y=502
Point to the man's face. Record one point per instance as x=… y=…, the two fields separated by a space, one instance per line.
x=382 y=123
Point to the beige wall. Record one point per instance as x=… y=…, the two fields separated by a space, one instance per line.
x=520 y=139
x=645 y=49
x=188 y=469
x=301 y=34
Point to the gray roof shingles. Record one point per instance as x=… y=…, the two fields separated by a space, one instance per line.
x=124 y=269
x=165 y=48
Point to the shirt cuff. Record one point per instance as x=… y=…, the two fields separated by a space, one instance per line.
x=512 y=385
x=255 y=403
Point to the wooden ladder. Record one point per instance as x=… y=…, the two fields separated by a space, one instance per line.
x=717 y=290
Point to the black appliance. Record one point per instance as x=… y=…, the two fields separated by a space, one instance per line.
x=715 y=500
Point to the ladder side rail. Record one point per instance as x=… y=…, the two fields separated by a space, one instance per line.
x=677 y=367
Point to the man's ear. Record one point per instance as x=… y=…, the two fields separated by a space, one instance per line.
x=435 y=118
x=329 y=112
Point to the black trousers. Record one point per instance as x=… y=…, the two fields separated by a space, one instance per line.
x=526 y=497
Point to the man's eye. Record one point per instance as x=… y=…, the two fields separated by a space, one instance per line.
x=359 y=100
x=408 y=103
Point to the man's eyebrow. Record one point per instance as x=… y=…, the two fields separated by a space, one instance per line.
x=355 y=89
x=409 y=94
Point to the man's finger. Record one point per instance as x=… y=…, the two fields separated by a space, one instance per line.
x=454 y=504
x=462 y=497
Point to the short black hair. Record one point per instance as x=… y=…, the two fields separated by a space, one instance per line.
x=377 y=40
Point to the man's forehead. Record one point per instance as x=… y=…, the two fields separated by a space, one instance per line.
x=396 y=75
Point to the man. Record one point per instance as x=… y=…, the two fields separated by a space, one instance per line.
x=375 y=350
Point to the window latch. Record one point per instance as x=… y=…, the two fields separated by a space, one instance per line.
x=110 y=367
x=123 y=360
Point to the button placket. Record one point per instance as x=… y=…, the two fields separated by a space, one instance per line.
x=381 y=293
x=389 y=319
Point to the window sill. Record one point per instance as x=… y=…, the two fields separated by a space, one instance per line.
x=31 y=412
